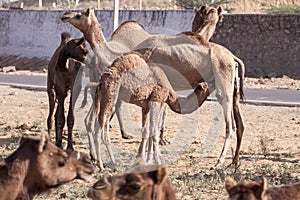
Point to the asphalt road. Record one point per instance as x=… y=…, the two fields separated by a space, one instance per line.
x=274 y=97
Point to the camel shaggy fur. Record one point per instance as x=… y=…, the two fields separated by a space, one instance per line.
x=37 y=166
x=252 y=190
x=149 y=184
x=131 y=79
x=63 y=73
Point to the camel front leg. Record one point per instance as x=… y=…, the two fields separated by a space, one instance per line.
x=97 y=139
x=145 y=134
x=155 y=111
x=89 y=119
x=106 y=139
x=50 y=119
x=59 y=120
x=162 y=139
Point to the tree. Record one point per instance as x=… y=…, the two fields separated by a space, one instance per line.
x=190 y=4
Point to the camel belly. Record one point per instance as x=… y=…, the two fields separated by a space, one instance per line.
x=185 y=65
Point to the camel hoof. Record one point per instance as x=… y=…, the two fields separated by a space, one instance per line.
x=126 y=136
x=164 y=142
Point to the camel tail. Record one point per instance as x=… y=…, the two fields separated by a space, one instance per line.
x=87 y=87
x=242 y=77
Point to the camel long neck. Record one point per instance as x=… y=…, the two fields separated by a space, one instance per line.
x=94 y=35
x=186 y=105
x=207 y=30
x=62 y=61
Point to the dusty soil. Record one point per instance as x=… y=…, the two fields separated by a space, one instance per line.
x=270 y=147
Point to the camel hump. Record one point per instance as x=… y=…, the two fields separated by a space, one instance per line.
x=128 y=25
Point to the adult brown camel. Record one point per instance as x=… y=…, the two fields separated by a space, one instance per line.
x=38 y=166
x=251 y=190
x=106 y=51
x=149 y=183
x=60 y=80
x=132 y=80
x=204 y=22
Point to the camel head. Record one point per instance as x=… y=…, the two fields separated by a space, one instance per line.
x=76 y=49
x=246 y=190
x=206 y=14
x=81 y=20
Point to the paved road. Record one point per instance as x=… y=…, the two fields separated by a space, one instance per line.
x=277 y=97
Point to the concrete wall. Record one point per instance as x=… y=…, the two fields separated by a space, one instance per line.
x=267 y=44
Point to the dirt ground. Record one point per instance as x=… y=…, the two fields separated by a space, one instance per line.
x=270 y=147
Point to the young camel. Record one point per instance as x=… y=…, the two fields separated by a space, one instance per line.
x=63 y=73
x=38 y=165
x=258 y=191
x=132 y=80
x=149 y=184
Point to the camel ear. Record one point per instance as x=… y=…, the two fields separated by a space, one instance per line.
x=159 y=175
x=259 y=191
x=220 y=10
x=202 y=9
x=43 y=142
x=89 y=11
x=229 y=183
x=82 y=40
x=196 y=10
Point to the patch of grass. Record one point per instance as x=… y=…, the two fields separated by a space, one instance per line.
x=284 y=9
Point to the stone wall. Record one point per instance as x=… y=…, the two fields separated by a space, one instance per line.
x=268 y=44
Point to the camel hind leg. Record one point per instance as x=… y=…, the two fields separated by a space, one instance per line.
x=240 y=126
x=50 y=119
x=224 y=93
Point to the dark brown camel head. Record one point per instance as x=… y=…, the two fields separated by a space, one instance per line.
x=81 y=20
x=250 y=190
x=76 y=49
x=149 y=185
x=38 y=165
x=206 y=14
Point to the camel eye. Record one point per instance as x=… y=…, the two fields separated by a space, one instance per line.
x=135 y=187
x=99 y=187
x=78 y=16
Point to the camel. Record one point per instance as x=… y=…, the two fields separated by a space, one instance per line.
x=151 y=183
x=61 y=79
x=205 y=21
x=252 y=190
x=106 y=51
x=88 y=24
x=38 y=166
x=130 y=79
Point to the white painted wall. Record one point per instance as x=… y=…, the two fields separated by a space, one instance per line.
x=36 y=33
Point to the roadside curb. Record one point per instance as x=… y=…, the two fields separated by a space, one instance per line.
x=250 y=102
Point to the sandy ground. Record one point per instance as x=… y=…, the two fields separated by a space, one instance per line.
x=270 y=147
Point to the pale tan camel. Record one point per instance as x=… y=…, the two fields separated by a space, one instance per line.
x=132 y=80
x=106 y=51
x=205 y=21
x=62 y=75
x=252 y=190
x=150 y=183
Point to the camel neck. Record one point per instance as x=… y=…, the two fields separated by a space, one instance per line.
x=207 y=30
x=94 y=34
x=62 y=60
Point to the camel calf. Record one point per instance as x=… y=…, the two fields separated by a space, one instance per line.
x=258 y=191
x=37 y=166
x=150 y=185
